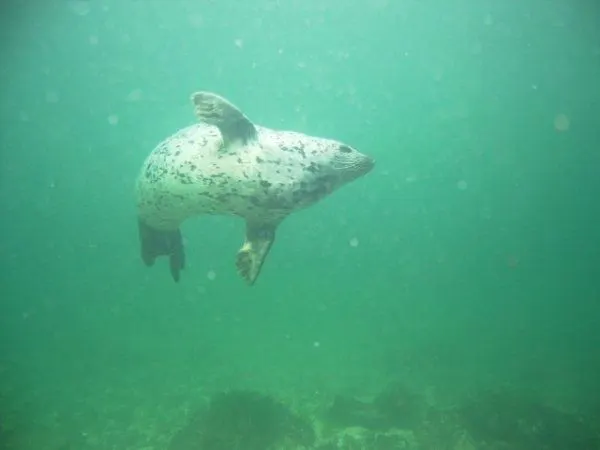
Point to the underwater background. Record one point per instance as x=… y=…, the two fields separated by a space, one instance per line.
x=464 y=268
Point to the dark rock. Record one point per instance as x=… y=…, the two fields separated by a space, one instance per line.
x=243 y=420
x=525 y=424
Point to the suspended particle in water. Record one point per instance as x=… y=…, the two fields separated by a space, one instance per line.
x=196 y=20
x=80 y=7
x=513 y=261
x=135 y=95
x=380 y=4
x=113 y=119
x=486 y=213
x=93 y=40
x=353 y=242
x=476 y=48
x=316 y=344
x=561 y=122
x=52 y=97
x=239 y=43
x=462 y=185
x=211 y=275
x=201 y=290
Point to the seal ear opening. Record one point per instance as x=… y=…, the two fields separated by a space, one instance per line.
x=155 y=243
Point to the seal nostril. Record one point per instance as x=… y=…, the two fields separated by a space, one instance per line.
x=345 y=149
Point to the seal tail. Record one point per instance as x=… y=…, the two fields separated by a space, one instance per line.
x=155 y=243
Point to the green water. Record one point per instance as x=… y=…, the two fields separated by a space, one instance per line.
x=468 y=259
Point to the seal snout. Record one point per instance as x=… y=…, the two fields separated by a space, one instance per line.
x=353 y=165
x=368 y=164
x=364 y=165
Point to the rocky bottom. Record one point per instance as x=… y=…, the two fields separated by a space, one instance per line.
x=395 y=419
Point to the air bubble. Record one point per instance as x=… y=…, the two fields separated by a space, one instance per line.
x=135 y=95
x=52 y=97
x=562 y=122
x=80 y=7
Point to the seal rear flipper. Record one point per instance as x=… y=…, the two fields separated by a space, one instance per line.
x=155 y=243
x=232 y=123
x=252 y=255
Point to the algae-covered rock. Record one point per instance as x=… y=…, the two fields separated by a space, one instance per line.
x=392 y=420
x=402 y=407
x=358 y=438
x=509 y=420
x=394 y=407
x=244 y=420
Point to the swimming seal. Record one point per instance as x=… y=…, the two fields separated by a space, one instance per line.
x=225 y=164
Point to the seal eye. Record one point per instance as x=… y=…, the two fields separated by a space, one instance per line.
x=345 y=149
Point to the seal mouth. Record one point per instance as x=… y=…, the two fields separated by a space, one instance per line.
x=364 y=166
x=369 y=164
x=355 y=168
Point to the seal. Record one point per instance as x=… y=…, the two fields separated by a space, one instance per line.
x=224 y=164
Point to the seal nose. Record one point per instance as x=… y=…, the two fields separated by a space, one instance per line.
x=367 y=164
x=353 y=165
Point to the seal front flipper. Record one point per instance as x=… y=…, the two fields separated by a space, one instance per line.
x=155 y=243
x=250 y=258
x=232 y=123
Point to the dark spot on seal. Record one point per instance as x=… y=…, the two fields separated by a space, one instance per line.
x=259 y=159
x=224 y=197
x=184 y=179
x=177 y=153
x=345 y=149
x=301 y=151
x=312 y=168
x=265 y=183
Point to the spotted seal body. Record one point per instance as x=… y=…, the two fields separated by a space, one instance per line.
x=226 y=165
